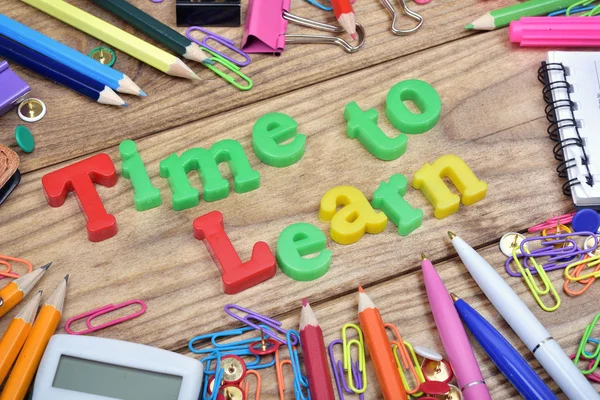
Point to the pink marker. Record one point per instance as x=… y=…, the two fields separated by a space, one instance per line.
x=556 y=31
x=453 y=335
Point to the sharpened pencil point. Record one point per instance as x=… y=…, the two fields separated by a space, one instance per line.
x=469 y=27
x=360 y=289
x=304 y=302
x=142 y=93
x=208 y=61
x=67 y=278
x=451 y=235
x=353 y=36
x=46 y=266
x=39 y=292
x=125 y=105
x=454 y=297
x=423 y=257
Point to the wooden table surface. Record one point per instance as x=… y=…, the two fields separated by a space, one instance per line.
x=492 y=117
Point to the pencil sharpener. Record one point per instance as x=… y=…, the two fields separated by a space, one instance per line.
x=208 y=12
x=14 y=89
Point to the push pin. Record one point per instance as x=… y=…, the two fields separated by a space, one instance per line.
x=434 y=367
x=103 y=55
x=509 y=241
x=234 y=369
x=264 y=346
x=232 y=392
x=31 y=110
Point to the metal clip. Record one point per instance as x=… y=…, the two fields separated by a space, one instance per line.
x=228 y=43
x=362 y=364
x=407 y=11
x=595 y=356
x=403 y=352
x=247 y=385
x=230 y=66
x=322 y=39
x=536 y=290
x=274 y=326
x=91 y=315
x=338 y=372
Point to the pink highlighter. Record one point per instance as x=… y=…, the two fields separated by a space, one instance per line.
x=453 y=335
x=556 y=32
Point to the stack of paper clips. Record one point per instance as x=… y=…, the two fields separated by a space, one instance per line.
x=230 y=356
x=591 y=358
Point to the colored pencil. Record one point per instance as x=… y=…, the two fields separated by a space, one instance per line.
x=14 y=292
x=453 y=335
x=503 y=16
x=315 y=355
x=29 y=359
x=155 y=29
x=16 y=333
x=115 y=37
x=379 y=348
x=59 y=73
x=555 y=32
x=64 y=54
x=345 y=16
x=529 y=329
x=507 y=358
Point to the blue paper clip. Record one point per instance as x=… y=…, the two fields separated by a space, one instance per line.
x=319 y=5
x=213 y=337
x=300 y=381
x=207 y=374
x=338 y=372
x=230 y=44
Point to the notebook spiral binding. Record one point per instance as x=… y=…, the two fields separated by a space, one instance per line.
x=552 y=106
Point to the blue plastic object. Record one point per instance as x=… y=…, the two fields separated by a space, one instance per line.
x=586 y=220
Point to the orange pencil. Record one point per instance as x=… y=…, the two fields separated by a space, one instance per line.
x=380 y=349
x=15 y=335
x=345 y=15
x=35 y=345
x=14 y=292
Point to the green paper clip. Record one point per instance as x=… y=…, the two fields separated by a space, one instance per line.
x=230 y=66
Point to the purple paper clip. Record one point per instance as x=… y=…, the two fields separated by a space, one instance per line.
x=270 y=322
x=13 y=89
x=230 y=44
x=338 y=373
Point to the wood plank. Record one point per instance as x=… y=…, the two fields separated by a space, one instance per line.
x=75 y=126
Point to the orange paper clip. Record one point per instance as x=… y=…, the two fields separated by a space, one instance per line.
x=90 y=315
x=404 y=362
x=4 y=260
x=586 y=282
x=247 y=384
x=279 y=371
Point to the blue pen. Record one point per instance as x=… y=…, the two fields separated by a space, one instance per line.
x=507 y=358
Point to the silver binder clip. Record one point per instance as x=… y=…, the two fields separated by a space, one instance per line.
x=407 y=11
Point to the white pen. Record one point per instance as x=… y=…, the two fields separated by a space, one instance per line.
x=520 y=318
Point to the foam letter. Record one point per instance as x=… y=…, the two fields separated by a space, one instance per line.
x=429 y=181
x=206 y=162
x=236 y=276
x=145 y=196
x=388 y=198
x=423 y=95
x=80 y=178
x=299 y=240
x=363 y=125
x=356 y=218
x=269 y=132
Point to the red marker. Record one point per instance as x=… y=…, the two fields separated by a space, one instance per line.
x=345 y=15
x=315 y=357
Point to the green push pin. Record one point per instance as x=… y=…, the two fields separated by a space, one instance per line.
x=24 y=139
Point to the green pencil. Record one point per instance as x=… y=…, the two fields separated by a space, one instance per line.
x=503 y=16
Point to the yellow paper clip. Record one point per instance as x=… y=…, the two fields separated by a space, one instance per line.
x=591 y=262
x=230 y=66
x=362 y=364
x=404 y=363
x=533 y=286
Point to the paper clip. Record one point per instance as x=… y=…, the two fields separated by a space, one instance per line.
x=590 y=262
x=533 y=286
x=551 y=222
x=247 y=385
x=594 y=376
x=228 y=43
x=585 y=282
x=4 y=260
x=91 y=315
x=347 y=351
x=319 y=5
x=338 y=372
x=294 y=363
x=230 y=66
x=272 y=325
x=595 y=356
x=404 y=362
x=408 y=12
x=213 y=337
x=218 y=377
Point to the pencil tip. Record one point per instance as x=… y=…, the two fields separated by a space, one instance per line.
x=423 y=257
x=469 y=27
x=39 y=292
x=125 y=105
x=304 y=302
x=142 y=93
x=208 y=61
x=454 y=297
x=353 y=36
x=360 y=289
x=67 y=278
x=451 y=235
x=46 y=266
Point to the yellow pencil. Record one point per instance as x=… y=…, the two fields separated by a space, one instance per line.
x=14 y=292
x=115 y=37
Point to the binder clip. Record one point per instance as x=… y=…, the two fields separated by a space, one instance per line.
x=266 y=26
x=14 y=89
x=10 y=176
x=408 y=12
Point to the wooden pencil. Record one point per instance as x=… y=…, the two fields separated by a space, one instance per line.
x=26 y=36
x=58 y=72
x=503 y=16
x=29 y=359
x=16 y=333
x=14 y=292
x=345 y=16
x=115 y=37
x=158 y=31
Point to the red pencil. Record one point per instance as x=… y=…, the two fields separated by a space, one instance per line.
x=315 y=357
x=345 y=15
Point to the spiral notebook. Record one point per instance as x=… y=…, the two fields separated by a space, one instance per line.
x=572 y=93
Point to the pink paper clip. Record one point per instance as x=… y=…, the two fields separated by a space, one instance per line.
x=266 y=26
x=230 y=44
x=90 y=315
x=551 y=222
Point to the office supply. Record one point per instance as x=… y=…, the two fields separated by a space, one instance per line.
x=344 y=14
x=503 y=354
x=9 y=163
x=595 y=355
x=16 y=333
x=314 y=355
x=4 y=260
x=104 y=55
x=257 y=387
x=406 y=360
x=537 y=339
x=379 y=348
x=113 y=36
x=31 y=110
x=435 y=388
x=453 y=335
x=584 y=284
x=273 y=325
x=361 y=363
x=29 y=358
x=14 y=292
x=24 y=139
x=572 y=112
x=551 y=222
x=215 y=58
x=342 y=385
x=300 y=381
x=155 y=29
x=208 y=12
x=223 y=41
x=109 y=369
x=509 y=241
x=408 y=12
x=555 y=32
x=537 y=291
x=266 y=25
x=503 y=16
x=64 y=54
x=589 y=262
x=586 y=220
x=91 y=315
x=14 y=89
x=58 y=72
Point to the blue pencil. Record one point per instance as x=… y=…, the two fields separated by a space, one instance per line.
x=58 y=72
x=65 y=55
x=507 y=358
